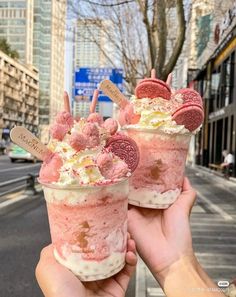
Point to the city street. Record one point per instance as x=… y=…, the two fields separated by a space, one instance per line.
x=24 y=232
x=10 y=171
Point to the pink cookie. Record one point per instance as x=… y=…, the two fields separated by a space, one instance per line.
x=111 y=125
x=65 y=118
x=191 y=116
x=125 y=148
x=77 y=141
x=152 y=88
x=190 y=96
x=95 y=118
x=49 y=171
x=58 y=131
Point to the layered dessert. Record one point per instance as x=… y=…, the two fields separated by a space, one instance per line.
x=161 y=122
x=85 y=182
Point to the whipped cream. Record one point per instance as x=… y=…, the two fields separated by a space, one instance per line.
x=156 y=114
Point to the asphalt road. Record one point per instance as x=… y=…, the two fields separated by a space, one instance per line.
x=10 y=171
x=24 y=232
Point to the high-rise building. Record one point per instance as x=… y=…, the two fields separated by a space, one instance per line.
x=48 y=44
x=36 y=29
x=19 y=91
x=90 y=50
x=16 y=25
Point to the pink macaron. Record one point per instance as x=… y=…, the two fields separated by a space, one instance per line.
x=152 y=88
x=189 y=115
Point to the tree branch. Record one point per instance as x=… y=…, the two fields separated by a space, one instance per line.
x=108 y=5
x=179 y=41
x=162 y=37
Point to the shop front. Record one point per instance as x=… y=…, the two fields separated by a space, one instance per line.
x=217 y=85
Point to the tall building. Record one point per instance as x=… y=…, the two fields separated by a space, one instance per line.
x=19 y=92
x=48 y=56
x=90 y=53
x=16 y=25
x=36 y=29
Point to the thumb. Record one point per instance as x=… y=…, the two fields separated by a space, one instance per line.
x=54 y=279
x=187 y=197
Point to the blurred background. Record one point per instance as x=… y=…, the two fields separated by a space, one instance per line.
x=48 y=46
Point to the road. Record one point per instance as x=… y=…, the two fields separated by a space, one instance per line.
x=24 y=232
x=9 y=171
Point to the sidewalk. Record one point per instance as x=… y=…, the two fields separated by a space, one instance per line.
x=213 y=224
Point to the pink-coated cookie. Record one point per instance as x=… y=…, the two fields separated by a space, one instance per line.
x=153 y=88
x=191 y=116
x=65 y=118
x=95 y=118
x=58 y=131
x=111 y=125
x=77 y=141
x=189 y=96
x=49 y=171
x=125 y=148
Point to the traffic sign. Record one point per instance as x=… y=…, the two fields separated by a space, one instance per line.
x=88 y=79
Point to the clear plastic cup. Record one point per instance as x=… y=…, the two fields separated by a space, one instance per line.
x=157 y=181
x=88 y=227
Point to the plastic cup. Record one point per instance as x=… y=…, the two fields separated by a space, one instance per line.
x=157 y=181
x=88 y=227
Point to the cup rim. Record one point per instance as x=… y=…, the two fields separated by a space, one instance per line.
x=74 y=187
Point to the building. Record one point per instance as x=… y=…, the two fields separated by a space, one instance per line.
x=48 y=56
x=213 y=74
x=91 y=49
x=36 y=29
x=16 y=25
x=19 y=94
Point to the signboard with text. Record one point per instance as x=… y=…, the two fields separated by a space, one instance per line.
x=88 y=79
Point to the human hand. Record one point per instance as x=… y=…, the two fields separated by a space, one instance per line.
x=163 y=236
x=57 y=281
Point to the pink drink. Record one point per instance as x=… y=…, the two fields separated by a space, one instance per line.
x=88 y=228
x=157 y=181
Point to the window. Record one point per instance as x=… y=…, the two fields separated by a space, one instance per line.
x=4 y=4
x=17 y=4
x=16 y=22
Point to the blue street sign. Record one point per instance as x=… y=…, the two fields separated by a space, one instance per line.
x=88 y=79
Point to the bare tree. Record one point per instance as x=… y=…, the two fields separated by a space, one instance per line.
x=138 y=33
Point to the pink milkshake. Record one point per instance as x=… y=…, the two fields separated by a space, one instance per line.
x=88 y=227
x=86 y=189
x=161 y=122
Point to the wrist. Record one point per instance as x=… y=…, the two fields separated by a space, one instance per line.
x=184 y=278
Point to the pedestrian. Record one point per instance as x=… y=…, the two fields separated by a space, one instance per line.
x=164 y=242
x=228 y=164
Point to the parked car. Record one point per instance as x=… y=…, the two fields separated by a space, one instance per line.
x=15 y=152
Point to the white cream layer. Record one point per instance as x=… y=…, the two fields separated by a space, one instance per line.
x=89 y=270
x=151 y=198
